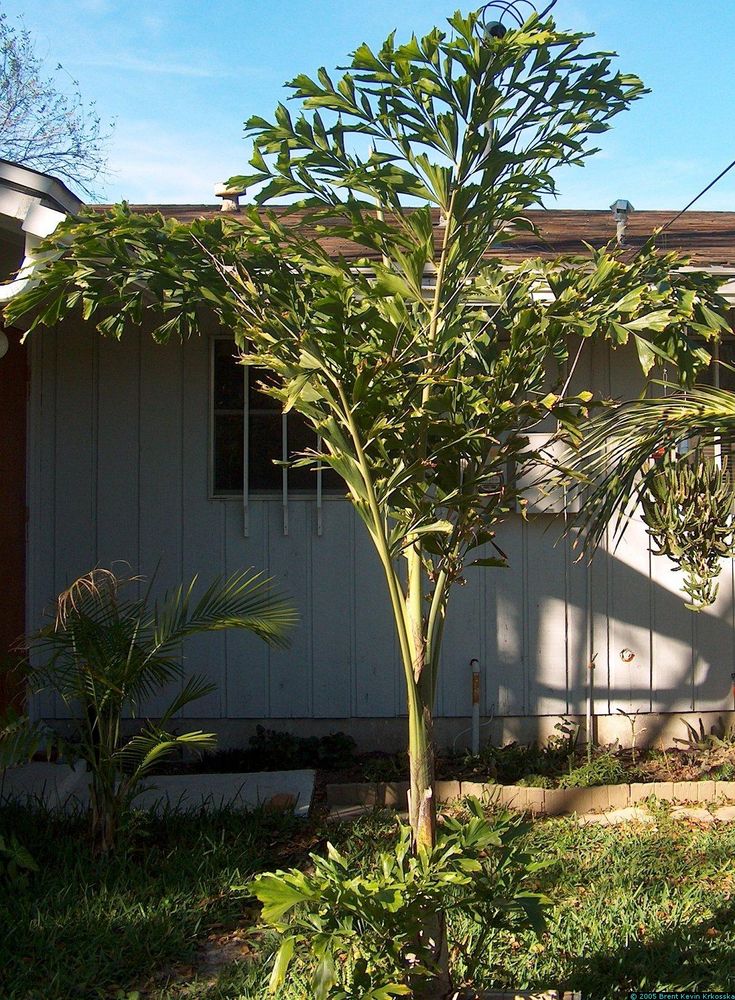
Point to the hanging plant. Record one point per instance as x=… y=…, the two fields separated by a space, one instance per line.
x=688 y=510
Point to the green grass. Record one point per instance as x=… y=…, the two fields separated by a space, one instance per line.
x=85 y=927
x=635 y=907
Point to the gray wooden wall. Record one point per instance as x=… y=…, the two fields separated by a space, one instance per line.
x=118 y=461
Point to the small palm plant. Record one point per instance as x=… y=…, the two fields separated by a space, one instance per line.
x=108 y=650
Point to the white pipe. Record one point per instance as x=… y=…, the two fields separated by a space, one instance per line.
x=38 y=222
x=475 y=665
x=24 y=280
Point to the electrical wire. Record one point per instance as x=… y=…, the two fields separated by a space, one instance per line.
x=697 y=197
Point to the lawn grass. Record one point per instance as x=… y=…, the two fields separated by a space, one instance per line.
x=90 y=927
x=635 y=907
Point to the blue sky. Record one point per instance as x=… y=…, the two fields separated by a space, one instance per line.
x=179 y=79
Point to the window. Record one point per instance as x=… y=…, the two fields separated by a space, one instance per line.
x=261 y=431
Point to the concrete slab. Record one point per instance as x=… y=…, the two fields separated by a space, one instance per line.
x=447 y=791
x=339 y=813
x=563 y=801
x=686 y=791
x=187 y=792
x=725 y=790
x=618 y=796
x=706 y=791
x=59 y=786
x=351 y=793
x=725 y=814
x=487 y=792
x=393 y=794
x=616 y=816
x=536 y=800
x=696 y=815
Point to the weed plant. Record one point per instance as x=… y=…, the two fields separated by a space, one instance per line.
x=602 y=768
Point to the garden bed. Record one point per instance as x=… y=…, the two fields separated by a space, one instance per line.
x=554 y=779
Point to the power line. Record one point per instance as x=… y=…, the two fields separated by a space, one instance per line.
x=697 y=197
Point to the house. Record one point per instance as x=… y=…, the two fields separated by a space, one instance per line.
x=31 y=206
x=161 y=457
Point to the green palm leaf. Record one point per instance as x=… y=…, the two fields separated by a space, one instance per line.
x=612 y=466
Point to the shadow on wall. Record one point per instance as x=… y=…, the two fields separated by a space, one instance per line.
x=651 y=652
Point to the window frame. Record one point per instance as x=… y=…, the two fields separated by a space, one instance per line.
x=246 y=495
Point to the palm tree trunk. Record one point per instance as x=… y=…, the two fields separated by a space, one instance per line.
x=421 y=804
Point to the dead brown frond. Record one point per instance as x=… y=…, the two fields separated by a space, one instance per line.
x=99 y=583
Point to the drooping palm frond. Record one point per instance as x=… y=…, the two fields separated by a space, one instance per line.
x=142 y=752
x=105 y=646
x=243 y=600
x=614 y=463
x=195 y=688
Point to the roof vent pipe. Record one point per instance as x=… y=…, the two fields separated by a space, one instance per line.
x=230 y=196
x=620 y=210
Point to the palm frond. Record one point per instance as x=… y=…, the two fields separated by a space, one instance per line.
x=148 y=748
x=611 y=466
x=245 y=600
x=195 y=688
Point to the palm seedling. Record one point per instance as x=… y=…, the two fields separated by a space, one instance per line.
x=108 y=650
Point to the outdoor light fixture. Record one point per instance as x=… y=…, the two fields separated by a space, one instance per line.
x=515 y=10
x=4 y=343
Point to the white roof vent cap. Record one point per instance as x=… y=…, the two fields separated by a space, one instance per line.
x=621 y=207
x=230 y=196
x=620 y=210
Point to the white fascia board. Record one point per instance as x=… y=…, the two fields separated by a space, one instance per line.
x=41 y=186
x=725 y=272
x=16 y=204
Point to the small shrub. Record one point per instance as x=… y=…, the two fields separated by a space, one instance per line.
x=513 y=761
x=720 y=736
x=108 y=650
x=336 y=751
x=725 y=772
x=21 y=739
x=516 y=761
x=363 y=931
x=386 y=767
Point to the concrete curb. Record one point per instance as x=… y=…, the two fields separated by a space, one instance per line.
x=59 y=786
x=540 y=801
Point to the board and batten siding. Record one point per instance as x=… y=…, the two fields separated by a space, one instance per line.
x=118 y=474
